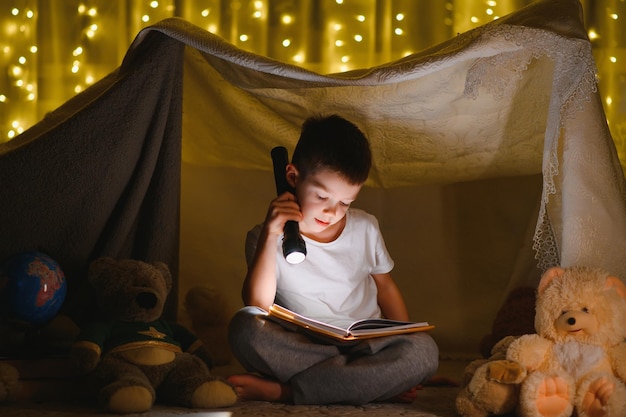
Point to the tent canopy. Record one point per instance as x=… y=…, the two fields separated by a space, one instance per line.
x=492 y=161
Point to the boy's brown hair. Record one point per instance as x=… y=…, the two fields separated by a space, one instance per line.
x=333 y=143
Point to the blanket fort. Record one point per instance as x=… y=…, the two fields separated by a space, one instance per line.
x=101 y=174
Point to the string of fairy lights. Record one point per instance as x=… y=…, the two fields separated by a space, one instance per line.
x=50 y=51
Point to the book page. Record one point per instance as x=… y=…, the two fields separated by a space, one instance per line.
x=371 y=324
x=358 y=329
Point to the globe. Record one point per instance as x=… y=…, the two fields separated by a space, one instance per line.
x=32 y=288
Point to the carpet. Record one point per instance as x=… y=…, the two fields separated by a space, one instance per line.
x=432 y=402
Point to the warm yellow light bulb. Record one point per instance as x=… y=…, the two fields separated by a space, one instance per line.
x=614 y=16
x=257 y=14
x=400 y=17
x=15 y=124
x=345 y=59
x=145 y=18
x=21 y=60
x=30 y=97
x=3 y=98
x=154 y=4
x=339 y=1
x=608 y=100
x=286 y=19
x=205 y=13
x=398 y=31
x=474 y=19
x=358 y=38
x=243 y=37
x=492 y=3
x=81 y=8
x=258 y=4
x=286 y=42
x=33 y=49
x=78 y=51
x=30 y=14
x=338 y=43
x=593 y=35
x=16 y=71
x=337 y=26
x=613 y=59
x=15 y=11
x=299 y=58
x=92 y=12
x=360 y=18
x=489 y=12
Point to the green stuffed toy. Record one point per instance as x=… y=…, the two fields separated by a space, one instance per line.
x=133 y=357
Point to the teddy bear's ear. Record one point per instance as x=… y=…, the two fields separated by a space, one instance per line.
x=165 y=271
x=548 y=277
x=98 y=266
x=617 y=285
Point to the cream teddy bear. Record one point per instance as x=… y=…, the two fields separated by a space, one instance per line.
x=577 y=360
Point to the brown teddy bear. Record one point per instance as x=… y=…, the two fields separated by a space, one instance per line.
x=577 y=360
x=490 y=386
x=134 y=357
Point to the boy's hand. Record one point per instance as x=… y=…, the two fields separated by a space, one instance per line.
x=282 y=209
x=259 y=286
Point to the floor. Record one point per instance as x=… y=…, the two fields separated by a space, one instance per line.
x=431 y=402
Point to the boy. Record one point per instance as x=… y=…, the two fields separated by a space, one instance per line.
x=345 y=277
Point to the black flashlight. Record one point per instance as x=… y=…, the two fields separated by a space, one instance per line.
x=294 y=248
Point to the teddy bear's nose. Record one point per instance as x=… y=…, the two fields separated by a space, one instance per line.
x=571 y=321
x=146 y=300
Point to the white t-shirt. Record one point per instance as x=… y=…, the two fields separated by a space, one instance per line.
x=333 y=284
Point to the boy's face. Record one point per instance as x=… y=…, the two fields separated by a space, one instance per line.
x=324 y=198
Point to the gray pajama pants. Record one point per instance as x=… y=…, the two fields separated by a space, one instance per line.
x=371 y=370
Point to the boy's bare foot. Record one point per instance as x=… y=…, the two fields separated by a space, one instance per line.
x=406 y=397
x=251 y=387
x=441 y=381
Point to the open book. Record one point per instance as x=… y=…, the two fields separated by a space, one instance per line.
x=360 y=329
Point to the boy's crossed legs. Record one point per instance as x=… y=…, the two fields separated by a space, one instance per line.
x=307 y=372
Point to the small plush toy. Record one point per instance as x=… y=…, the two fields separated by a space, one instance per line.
x=515 y=317
x=9 y=383
x=134 y=357
x=208 y=318
x=577 y=360
x=490 y=386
